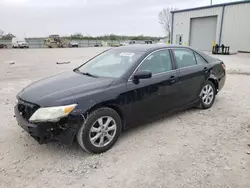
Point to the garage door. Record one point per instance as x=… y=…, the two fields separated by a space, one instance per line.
x=203 y=32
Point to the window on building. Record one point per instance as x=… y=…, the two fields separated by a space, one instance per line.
x=179 y=39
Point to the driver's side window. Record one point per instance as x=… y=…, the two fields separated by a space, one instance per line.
x=157 y=62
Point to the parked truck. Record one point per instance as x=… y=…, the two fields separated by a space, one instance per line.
x=19 y=43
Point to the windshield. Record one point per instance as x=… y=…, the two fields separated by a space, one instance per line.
x=112 y=63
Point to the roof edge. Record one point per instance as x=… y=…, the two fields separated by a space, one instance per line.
x=212 y=6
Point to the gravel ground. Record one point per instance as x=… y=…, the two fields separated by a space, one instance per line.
x=195 y=148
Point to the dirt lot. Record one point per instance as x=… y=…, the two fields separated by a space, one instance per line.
x=195 y=148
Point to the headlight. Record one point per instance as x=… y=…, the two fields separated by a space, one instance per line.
x=51 y=114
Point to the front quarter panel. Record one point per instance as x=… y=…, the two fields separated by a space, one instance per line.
x=111 y=95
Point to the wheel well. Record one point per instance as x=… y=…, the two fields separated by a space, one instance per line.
x=216 y=85
x=115 y=108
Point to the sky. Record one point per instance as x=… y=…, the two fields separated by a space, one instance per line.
x=40 y=18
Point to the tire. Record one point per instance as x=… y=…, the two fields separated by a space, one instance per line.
x=207 y=95
x=85 y=132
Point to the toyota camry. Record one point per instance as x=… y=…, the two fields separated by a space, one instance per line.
x=96 y=101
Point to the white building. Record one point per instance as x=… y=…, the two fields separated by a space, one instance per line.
x=201 y=27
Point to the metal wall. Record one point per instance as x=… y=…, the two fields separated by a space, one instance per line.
x=235 y=30
x=182 y=22
x=236 y=27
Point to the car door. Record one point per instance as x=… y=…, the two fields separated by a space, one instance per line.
x=156 y=94
x=193 y=71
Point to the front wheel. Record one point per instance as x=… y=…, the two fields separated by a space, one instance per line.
x=100 y=131
x=207 y=95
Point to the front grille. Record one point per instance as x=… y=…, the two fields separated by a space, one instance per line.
x=26 y=109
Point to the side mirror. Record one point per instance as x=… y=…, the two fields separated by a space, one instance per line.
x=142 y=75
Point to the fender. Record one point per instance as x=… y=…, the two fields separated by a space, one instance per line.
x=112 y=97
x=213 y=78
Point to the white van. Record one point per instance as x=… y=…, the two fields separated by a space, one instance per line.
x=19 y=43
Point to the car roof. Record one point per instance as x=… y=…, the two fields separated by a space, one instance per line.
x=149 y=47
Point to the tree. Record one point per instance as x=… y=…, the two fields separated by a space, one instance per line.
x=79 y=36
x=8 y=36
x=113 y=37
x=165 y=20
x=76 y=36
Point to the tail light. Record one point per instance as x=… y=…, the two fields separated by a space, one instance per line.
x=223 y=65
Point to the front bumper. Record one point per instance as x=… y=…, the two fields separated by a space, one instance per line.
x=48 y=131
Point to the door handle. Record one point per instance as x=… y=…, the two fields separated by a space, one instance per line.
x=172 y=79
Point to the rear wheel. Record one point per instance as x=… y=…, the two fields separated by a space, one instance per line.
x=207 y=95
x=100 y=131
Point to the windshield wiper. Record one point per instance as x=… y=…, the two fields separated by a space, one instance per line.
x=85 y=73
x=89 y=74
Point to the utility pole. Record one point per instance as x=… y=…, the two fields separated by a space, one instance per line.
x=211 y=2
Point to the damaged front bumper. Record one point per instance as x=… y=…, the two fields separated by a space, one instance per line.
x=63 y=131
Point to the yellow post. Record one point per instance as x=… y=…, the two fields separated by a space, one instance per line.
x=213 y=44
x=185 y=44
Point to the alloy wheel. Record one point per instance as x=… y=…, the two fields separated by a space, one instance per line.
x=207 y=94
x=102 y=131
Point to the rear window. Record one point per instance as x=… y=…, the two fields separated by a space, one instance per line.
x=207 y=57
x=184 y=58
x=200 y=60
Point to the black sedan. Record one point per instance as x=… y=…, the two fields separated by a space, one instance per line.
x=115 y=89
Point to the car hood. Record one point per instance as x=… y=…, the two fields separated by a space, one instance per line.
x=62 y=89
